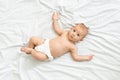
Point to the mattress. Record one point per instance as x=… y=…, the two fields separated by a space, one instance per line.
x=21 y=19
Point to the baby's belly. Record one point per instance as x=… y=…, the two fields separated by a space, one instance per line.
x=56 y=53
x=56 y=49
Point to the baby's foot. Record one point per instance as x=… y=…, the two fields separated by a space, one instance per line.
x=26 y=50
x=89 y=57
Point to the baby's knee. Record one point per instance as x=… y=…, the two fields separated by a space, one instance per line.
x=33 y=39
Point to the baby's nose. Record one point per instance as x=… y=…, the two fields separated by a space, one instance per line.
x=73 y=34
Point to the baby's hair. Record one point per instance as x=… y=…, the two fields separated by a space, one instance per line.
x=85 y=27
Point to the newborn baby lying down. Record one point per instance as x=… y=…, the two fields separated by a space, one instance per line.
x=45 y=49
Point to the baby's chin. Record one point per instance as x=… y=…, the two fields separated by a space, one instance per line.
x=73 y=40
x=70 y=39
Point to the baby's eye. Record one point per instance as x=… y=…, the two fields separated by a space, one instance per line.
x=78 y=35
x=73 y=30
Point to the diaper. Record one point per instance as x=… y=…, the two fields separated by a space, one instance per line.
x=45 y=48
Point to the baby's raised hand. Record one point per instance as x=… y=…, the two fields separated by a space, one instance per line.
x=56 y=16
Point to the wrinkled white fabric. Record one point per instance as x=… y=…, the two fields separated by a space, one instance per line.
x=21 y=19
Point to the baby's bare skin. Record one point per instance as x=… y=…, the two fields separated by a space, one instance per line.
x=62 y=44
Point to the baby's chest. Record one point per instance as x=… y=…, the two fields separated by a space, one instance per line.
x=64 y=46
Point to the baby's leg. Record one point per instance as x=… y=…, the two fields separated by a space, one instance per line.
x=34 y=41
x=39 y=55
x=26 y=50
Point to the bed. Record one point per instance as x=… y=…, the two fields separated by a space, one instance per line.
x=21 y=19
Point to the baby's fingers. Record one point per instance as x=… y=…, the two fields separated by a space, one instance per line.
x=56 y=15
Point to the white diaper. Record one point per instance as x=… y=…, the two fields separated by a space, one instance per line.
x=45 y=48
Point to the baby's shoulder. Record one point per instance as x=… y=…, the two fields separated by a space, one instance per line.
x=72 y=46
x=64 y=33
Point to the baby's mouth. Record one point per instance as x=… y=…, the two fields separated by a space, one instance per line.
x=71 y=36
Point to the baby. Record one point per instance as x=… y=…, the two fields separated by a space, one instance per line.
x=45 y=49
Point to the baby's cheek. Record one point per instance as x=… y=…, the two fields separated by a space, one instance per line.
x=79 y=38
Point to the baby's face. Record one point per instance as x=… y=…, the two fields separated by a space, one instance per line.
x=77 y=33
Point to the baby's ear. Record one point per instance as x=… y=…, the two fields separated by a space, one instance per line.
x=81 y=39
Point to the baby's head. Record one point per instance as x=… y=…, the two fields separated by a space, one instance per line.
x=78 y=32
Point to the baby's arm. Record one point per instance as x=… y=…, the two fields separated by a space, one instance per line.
x=56 y=27
x=77 y=57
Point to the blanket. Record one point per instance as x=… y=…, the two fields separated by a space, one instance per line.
x=21 y=19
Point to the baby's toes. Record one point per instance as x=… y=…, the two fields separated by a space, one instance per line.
x=23 y=49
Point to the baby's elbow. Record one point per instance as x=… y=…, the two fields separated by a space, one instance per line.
x=59 y=33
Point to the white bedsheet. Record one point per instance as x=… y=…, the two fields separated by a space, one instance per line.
x=20 y=19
